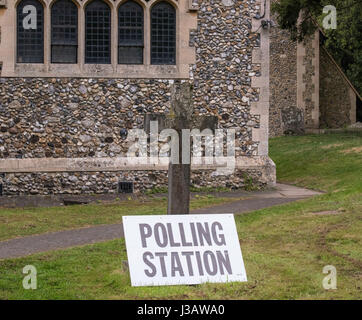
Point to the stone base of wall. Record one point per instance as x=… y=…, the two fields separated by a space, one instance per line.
x=258 y=174
x=292 y=120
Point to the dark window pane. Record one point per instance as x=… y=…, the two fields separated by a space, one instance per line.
x=30 y=42
x=98 y=33
x=130 y=33
x=64 y=54
x=163 y=34
x=130 y=55
x=64 y=32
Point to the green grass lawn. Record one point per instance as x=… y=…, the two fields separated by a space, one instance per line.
x=285 y=248
x=29 y=221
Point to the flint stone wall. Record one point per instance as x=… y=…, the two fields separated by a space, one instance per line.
x=284 y=114
x=337 y=100
x=83 y=117
x=107 y=182
x=322 y=98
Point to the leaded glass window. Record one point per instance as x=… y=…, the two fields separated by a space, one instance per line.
x=98 y=33
x=163 y=34
x=30 y=32
x=64 y=32
x=130 y=33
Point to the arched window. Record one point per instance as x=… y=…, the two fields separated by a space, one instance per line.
x=30 y=32
x=97 y=33
x=64 y=32
x=130 y=33
x=163 y=34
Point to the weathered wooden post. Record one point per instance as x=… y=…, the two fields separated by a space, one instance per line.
x=179 y=173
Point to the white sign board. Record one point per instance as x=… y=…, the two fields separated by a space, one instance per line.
x=183 y=249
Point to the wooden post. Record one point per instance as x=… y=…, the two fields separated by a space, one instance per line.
x=179 y=173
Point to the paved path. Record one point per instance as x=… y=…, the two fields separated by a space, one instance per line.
x=76 y=237
x=260 y=200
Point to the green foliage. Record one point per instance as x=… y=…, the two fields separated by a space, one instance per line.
x=344 y=43
x=249 y=184
x=156 y=190
x=333 y=161
x=208 y=189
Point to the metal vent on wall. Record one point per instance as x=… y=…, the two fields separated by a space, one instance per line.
x=125 y=187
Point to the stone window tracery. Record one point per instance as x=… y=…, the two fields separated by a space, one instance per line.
x=163 y=33
x=30 y=32
x=64 y=32
x=98 y=33
x=132 y=38
x=130 y=33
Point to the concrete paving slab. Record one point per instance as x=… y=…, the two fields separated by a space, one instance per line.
x=243 y=206
x=292 y=191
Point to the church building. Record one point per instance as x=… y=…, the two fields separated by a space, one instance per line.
x=73 y=85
